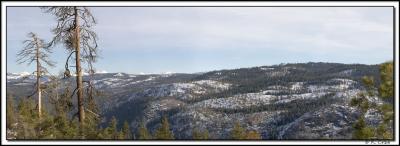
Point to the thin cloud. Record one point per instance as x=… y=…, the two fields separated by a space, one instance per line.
x=256 y=34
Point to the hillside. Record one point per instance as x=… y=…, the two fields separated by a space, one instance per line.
x=286 y=101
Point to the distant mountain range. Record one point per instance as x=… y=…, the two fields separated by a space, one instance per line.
x=287 y=101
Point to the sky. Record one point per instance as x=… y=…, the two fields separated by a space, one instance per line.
x=198 y=39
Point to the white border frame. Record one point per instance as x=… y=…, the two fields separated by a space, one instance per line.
x=104 y=142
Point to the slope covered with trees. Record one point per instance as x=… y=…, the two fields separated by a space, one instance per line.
x=285 y=101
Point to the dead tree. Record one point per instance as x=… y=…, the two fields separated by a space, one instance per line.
x=74 y=31
x=35 y=51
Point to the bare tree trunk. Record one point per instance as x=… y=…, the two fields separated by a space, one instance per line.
x=78 y=69
x=38 y=81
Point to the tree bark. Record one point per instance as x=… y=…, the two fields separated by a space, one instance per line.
x=78 y=69
x=38 y=80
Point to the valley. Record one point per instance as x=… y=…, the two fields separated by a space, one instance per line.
x=286 y=101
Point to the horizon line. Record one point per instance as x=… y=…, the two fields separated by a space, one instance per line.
x=172 y=72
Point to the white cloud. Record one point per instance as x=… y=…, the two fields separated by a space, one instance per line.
x=217 y=37
x=311 y=29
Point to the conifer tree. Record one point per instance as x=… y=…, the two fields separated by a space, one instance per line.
x=127 y=134
x=196 y=134
x=112 y=129
x=144 y=134
x=362 y=131
x=27 y=119
x=253 y=135
x=66 y=128
x=385 y=91
x=10 y=118
x=387 y=80
x=238 y=132
x=164 y=132
x=92 y=120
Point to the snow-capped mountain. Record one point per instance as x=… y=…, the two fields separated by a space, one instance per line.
x=24 y=78
x=15 y=76
x=287 y=101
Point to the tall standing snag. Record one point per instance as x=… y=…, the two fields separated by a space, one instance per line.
x=74 y=31
x=35 y=51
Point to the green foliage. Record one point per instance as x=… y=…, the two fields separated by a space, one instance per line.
x=365 y=133
x=144 y=134
x=387 y=111
x=127 y=134
x=164 y=132
x=196 y=134
x=92 y=120
x=356 y=101
x=368 y=82
x=45 y=127
x=59 y=124
x=385 y=91
x=253 y=135
x=27 y=120
x=90 y=128
x=10 y=118
x=383 y=132
x=250 y=80
x=66 y=129
x=111 y=131
x=386 y=86
x=238 y=132
x=361 y=130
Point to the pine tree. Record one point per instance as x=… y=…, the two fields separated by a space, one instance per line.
x=27 y=119
x=253 y=135
x=385 y=92
x=238 y=132
x=65 y=128
x=120 y=135
x=112 y=129
x=10 y=118
x=206 y=134
x=196 y=134
x=386 y=86
x=164 y=132
x=92 y=119
x=362 y=131
x=46 y=128
x=35 y=51
x=144 y=134
x=11 y=121
x=127 y=134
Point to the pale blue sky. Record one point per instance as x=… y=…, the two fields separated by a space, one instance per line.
x=197 y=39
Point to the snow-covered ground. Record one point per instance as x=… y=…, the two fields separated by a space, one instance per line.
x=115 y=82
x=164 y=92
x=267 y=68
x=266 y=97
x=14 y=76
x=303 y=96
x=213 y=84
x=238 y=101
x=186 y=91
